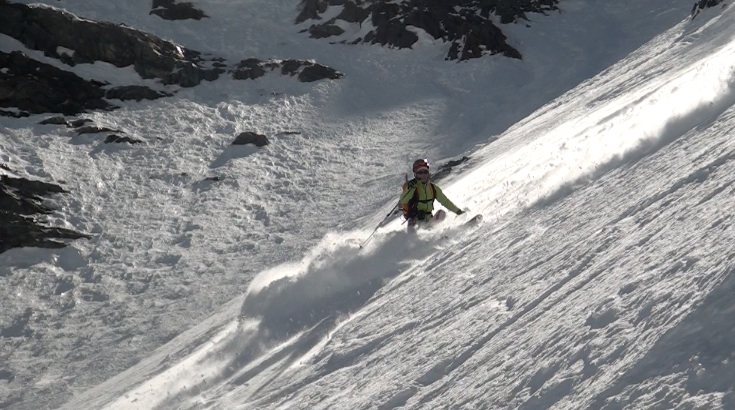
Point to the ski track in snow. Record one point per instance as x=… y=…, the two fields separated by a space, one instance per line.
x=605 y=247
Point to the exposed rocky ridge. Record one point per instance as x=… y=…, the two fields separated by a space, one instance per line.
x=29 y=86
x=21 y=202
x=134 y=92
x=306 y=71
x=47 y=29
x=86 y=126
x=466 y=24
x=32 y=86
x=700 y=5
x=35 y=87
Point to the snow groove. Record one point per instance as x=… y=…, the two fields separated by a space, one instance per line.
x=525 y=313
x=697 y=176
x=709 y=371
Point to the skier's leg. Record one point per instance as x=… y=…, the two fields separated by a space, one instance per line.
x=411 y=225
x=440 y=215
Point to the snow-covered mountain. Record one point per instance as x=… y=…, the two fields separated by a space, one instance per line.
x=228 y=276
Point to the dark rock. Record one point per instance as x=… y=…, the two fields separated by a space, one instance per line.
x=190 y=75
x=249 y=63
x=454 y=163
x=78 y=123
x=170 y=10
x=392 y=33
x=291 y=67
x=324 y=31
x=20 y=200
x=134 y=92
x=63 y=121
x=67 y=59
x=46 y=29
x=703 y=4
x=32 y=87
x=23 y=197
x=466 y=24
x=37 y=87
x=20 y=114
x=311 y=9
x=18 y=231
x=352 y=13
x=55 y=121
x=251 y=138
x=93 y=129
x=113 y=138
x=249 y=69
x=317 y=72
x=306 y=71
x=482 y=37
x=444 y=169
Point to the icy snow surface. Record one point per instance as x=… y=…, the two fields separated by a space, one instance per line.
x=602 y=276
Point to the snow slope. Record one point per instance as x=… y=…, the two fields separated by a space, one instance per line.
x=600 y=278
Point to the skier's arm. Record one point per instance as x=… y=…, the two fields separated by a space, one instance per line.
x=445 y=201
x=407 y=194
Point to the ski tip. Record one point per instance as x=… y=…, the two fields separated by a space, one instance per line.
x=474 y=220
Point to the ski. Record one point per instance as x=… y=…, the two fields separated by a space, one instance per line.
x=475 y=220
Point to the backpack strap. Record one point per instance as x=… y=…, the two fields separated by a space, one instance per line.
x=432 y=188
x=412 y=206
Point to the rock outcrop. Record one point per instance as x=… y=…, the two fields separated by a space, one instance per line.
x=21 y=203
x=29 y=86
x=306 y=71
x=249 y=137
x=35 y=87
x=700 y=5
x=466 y=24
x=54 y=31
x=134 y=92
x=170 y=10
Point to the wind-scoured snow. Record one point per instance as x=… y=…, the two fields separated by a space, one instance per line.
x=601 y=276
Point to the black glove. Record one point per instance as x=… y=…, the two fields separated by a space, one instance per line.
x=460 y=212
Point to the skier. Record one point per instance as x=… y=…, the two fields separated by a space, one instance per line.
x=417 y=199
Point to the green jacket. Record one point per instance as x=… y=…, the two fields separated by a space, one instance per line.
x=424 y=201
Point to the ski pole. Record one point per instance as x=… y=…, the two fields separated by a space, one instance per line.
x=368 y=238
x=378 y=227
